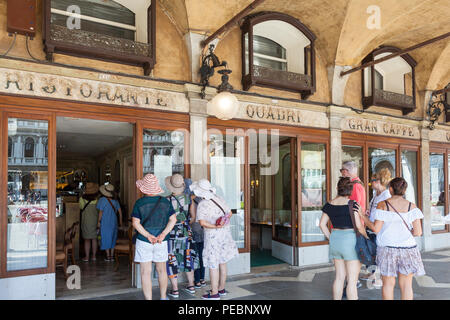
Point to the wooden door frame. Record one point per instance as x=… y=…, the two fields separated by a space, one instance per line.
x=51 y=193
x=367 y=141
x=305 y=134
x=443 y=149
x=318 y=140
x=49 y=109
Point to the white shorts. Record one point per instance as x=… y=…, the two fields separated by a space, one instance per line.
x=147 y=252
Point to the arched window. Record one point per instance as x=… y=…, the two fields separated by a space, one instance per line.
x=117 y=31
x=10 y=147
x=278 y=52
x=29 y=148
x=390 y=83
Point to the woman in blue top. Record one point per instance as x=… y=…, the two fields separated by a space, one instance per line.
x=107 y=220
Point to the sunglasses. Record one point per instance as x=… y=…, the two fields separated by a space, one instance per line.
x=342 y=170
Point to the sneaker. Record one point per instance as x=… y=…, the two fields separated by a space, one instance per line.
x=358 y=284
x=222 y=293
x=209 y=296
x=165 y=298
x=173 y=293
x=198 y=285
x=190 y=289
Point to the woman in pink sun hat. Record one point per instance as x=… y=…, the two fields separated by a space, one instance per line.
x=153 y=218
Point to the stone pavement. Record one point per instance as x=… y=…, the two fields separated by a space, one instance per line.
x=284 y=282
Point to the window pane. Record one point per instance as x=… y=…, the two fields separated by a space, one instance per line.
x=163 y=154
x=247 y=66
x=27 y=207
x=437 y=191
x=227 y=158
x=353 y=153
x=268 y=47
x=314 y=192
x=282 y=193
x=378 y=80
x=380 y=159
x=409 y=173
x=105 y=10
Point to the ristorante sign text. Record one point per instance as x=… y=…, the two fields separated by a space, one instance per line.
x=60 y=87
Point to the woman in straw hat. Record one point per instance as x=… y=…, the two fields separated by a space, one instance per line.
x=214 y=216
x=182 y=254
x=153 y=217
x=107 y=220
x=89 y=217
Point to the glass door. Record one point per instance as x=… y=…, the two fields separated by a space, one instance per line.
x=28 y=197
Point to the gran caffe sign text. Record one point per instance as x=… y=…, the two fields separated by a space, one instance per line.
x=380 y=128
x=82 y=90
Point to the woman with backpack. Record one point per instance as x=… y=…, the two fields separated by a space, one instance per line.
x=396 y=223
x=89 y=218
x=181 y=249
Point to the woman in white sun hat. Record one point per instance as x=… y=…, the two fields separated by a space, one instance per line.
x=214 y=216
x=182 y=254
x=153 y=217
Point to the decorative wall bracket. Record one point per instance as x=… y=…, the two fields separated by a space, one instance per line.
x=439 y=103
x=209 y=63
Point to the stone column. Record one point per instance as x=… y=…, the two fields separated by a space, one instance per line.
x=198 y=131
x=426 y=203
x=336 y=115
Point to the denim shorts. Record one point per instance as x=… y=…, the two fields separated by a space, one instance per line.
x=342 y=245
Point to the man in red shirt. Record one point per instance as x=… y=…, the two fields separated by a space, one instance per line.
x=350 y=169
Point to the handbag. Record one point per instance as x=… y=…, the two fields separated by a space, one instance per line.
x=388 y=204
x=366 y=247
x=223 y=220
x=134 y=238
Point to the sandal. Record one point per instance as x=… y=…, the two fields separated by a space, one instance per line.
x=190 y=289
x=85 y=260
x=173 y=293
x=198 y=285
x=203 y=283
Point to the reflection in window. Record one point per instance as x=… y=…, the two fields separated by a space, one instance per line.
x=227 y=158
x=103 y=17
x=380 y=159
x=314 y=193
x=163 y=153
x=409 y=173
x=27 y=206
x=9 y=147
x=283 y=193
x=267 y=53
x=437 y=193
x=29 y=148
x=353 y=153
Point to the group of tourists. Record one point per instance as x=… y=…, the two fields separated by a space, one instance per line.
x=187 y=231
x=184 y=232
x=390 y=223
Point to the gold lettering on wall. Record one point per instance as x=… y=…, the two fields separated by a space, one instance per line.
x=67 y=88
x=384 y=128
x=273 y=114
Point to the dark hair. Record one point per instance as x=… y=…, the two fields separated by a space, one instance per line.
x=399 y=186
x=345 y=187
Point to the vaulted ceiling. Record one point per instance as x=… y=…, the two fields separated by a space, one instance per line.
x=343 y=37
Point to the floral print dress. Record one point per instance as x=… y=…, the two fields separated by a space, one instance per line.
x=182 y=255
x=219 y=246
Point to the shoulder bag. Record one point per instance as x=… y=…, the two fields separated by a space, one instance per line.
x=388 y=204
x=223 y=219
x=366 y=248
x=145 y=220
